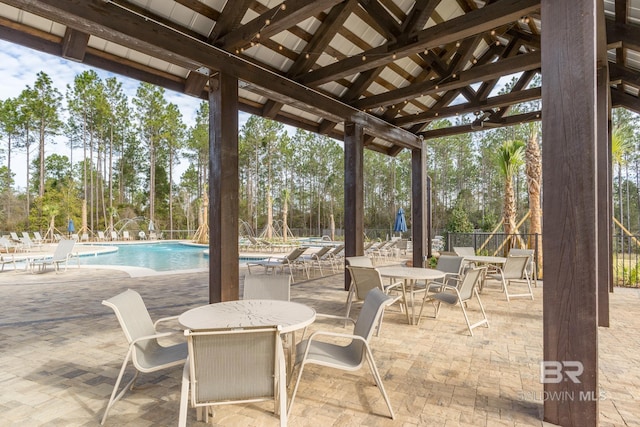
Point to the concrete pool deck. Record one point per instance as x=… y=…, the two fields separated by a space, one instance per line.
x=62 y=349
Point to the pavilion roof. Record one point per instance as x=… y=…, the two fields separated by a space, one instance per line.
x=393 y=66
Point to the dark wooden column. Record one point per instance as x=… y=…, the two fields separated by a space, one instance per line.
x=604 y=176
x=419 y=225
x=570 y=367
x=353 y=193
x=223 y=189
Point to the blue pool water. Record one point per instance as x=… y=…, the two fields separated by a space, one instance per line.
x=163 y=256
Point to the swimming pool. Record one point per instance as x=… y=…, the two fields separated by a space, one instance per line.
x=164 y=256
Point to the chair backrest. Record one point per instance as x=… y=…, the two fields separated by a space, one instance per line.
x=374 y=305
x=321 y=252
x=114 y=235
x=294 y=254
x=515 y=267
x=464 y=250
x=450 y=264
x=37 y=235
x=469 y=282
x=14 y=235
x=261 y=286
x=101 y=235
x=135 y=322
x=524 y=252
x=63 y=249
x=6 y=243
x=85 y=237
x=337 y=249
x=25 y=234
x=125 y=235
x=364 y=279
x=359 y=261
x=234 y=364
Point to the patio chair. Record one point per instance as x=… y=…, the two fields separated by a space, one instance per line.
x=61 y=255
x=349 y=357
x=114 y=236
x=335 y=255
x=260 y=286
x=461 y=294
x=144 y=350
x=289 y=261
x=126 y=235
x=514 y=270
x=101 y=236
x=532 y=271
x=230 y=366
x=452 y=265
x=465 y=251
x=363 y=281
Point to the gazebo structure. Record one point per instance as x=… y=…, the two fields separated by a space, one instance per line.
x=375 y=74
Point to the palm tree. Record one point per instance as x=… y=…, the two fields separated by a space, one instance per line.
x=509 y=158
x=533 y=170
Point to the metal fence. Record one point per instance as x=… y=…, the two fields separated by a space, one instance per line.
x=626 y=260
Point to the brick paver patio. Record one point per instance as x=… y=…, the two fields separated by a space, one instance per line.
x=62 y=349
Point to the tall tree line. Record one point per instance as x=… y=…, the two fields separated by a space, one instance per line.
x=121 y=154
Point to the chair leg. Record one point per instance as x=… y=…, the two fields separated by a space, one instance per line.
x=114 y=398
x=378 y=380
x=184 y=396
x=295 y=389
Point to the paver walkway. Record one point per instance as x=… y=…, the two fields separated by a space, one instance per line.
x=61 y=351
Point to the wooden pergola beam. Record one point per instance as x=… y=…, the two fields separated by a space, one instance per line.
x=480 y=73
x=74 y=45
x=516 y=119
x=475 y=22
x=116 y=24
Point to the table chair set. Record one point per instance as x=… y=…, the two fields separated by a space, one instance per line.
x=234 y=351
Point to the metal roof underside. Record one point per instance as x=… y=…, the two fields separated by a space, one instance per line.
x=393 y=66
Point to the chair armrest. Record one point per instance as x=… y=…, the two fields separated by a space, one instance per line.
x=151 y=337
x=332 y=316
x=164 y=319
x=333 y=334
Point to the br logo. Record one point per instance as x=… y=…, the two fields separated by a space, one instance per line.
x=554 y=372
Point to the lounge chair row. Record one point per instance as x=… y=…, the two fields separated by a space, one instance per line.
x=299 y=260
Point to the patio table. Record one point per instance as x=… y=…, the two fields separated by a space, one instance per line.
x=290 y=316
x=410 y=275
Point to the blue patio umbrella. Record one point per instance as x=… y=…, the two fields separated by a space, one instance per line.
x=400 y=226
x=70 y=227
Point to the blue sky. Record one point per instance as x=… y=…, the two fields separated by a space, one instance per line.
x=18 y=68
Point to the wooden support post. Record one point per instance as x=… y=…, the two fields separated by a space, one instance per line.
x=353 y=193
x=223 y=189
x=603 y=177
x=570 y=244
x=418 y=205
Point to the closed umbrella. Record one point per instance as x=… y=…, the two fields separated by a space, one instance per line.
x=151 y=226
x=400 y=225
x=71 y=227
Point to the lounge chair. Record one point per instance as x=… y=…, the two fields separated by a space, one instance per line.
x=144 y=350
x=7 y=260
x=8 y=246
x=289 y=261
x=126 y=235
x=28 y=243
x=61 y=255
x=101 y=236
x=316 y=259
x=230 y=366
x=114 y=236
x=349 y=357
x=461 y=294
x=37 y=237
